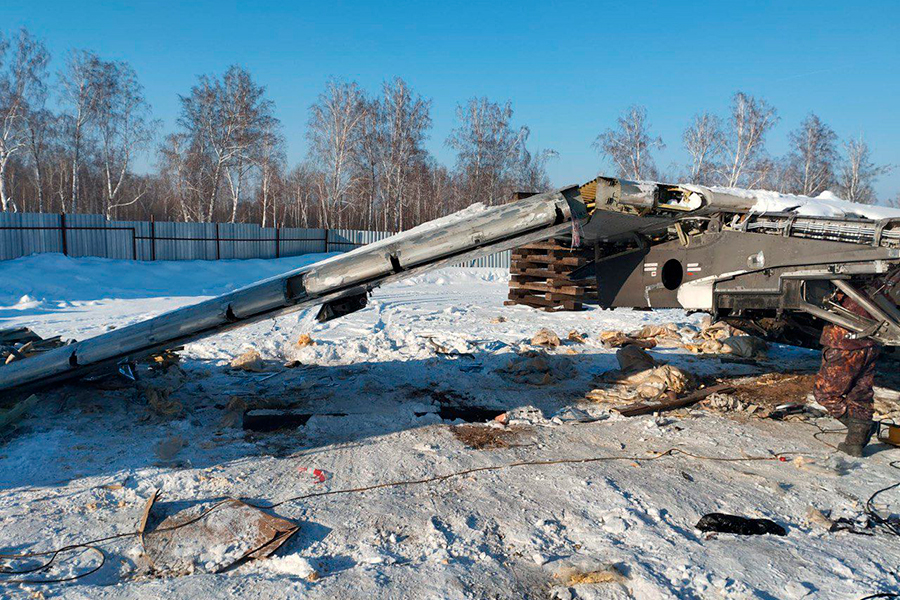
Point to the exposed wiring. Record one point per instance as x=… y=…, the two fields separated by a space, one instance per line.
x=886 y=523
x=91 y=544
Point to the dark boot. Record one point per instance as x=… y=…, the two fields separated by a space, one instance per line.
x=859 y=432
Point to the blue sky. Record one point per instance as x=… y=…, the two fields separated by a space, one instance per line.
x=569 y=68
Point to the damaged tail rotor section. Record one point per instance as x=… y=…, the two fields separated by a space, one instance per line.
x=340 y=285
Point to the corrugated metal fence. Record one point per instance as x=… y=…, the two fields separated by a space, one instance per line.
x=22 y=234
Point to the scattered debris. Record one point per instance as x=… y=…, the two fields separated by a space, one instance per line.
x=816 y=517
x=782 y=411
x=772 y=390
x=809 y=464
x=603 y=574
x=22 y=342
x=293 y=564
x=450 y=346
x=534 y=368
x=575 y=337
x=159 y=402
x=725 y=523
x=745 y=346
x=665 y=335
x=617 y=339
x=500 y=319
x=211 y=538
x=671 y=402
x=318 y=475
x=249 y=361
x=11 y=415
x=165 y=359
x=724 y=402
x=641 y=377
x=570 y=414
x=546 y=338
x=633 y=359
x=304 y=340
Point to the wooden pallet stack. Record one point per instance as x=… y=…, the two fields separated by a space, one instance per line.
x=539 y=276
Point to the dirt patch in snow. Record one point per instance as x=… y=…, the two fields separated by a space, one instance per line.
x=772 y=389
x=485 y=437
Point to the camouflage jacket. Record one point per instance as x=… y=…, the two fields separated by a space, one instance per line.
x=838 y=337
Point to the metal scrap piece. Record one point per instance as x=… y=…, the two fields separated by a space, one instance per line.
x=211 y=538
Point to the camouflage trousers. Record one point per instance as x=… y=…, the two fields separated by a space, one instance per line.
x=844 y=382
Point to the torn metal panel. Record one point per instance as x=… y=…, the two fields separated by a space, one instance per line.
x=212 y=538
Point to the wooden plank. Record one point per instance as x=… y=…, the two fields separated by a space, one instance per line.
x=547 y=268
x=570 y=290
x=640 y=408
x=564 y=297
x=548 y=245
x=573 y=261
x=552 y=281
x=532 y=272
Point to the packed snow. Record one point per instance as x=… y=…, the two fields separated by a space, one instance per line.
x=83 y=463
x=826 y=204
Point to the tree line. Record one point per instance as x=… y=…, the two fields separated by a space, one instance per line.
x=731 y=152
x=69 y=142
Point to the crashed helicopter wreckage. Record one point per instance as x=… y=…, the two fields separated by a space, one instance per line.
x=765 y=262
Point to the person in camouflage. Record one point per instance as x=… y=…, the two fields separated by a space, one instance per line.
x=844 y=384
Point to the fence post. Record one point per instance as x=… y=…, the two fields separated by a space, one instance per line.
x=152 y=238
x=218 y=253
x=326 y=240
x=277 y=253
x=62 y=229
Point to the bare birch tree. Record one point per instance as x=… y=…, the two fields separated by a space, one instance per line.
x=812 y=158
x=745 y=161
x=81 y=92
x=124 y=130
x=487 y=147
x=704 y=142
x=41 y=130
x=270 y=160
x=404 y=122
x=21 y=80
x=857 y=174
x=629 y=147
x=224 y=120
x=335 y=125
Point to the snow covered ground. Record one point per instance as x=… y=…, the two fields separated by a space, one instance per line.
x=85 y=461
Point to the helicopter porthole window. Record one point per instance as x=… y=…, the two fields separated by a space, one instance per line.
x=672 y=274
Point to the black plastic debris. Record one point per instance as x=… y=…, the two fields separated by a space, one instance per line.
x=723 y=523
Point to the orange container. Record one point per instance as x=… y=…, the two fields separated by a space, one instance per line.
x=893 y=435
